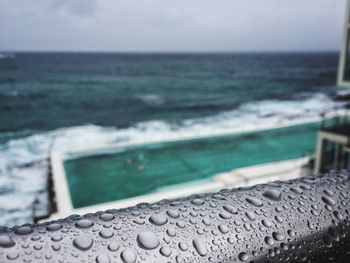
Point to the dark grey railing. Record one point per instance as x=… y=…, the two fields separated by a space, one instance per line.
x=305 y=220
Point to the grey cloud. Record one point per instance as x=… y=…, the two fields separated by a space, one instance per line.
x=78 y=7
x=167 y=25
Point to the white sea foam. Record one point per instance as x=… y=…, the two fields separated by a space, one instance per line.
x=151 y=99
x=24 y=162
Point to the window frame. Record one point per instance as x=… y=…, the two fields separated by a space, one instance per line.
x=344 y=59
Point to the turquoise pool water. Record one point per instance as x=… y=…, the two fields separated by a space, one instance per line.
x=134 y=171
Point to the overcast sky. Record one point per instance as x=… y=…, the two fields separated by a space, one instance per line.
x=171 y=25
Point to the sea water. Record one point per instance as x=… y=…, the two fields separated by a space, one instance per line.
x=56 y=101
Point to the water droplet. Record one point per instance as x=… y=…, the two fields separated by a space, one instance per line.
x=158 y=220
x=56 y=247
x=269 y=241
x=83 y=242
x=102 y=259
x=338 y=215
x=12 y=255
x=37 y=247
x=247 y=227
x=291 y=233
x=183 y=246
x=284 y=246
x=277 y=236
x=165 y=251
x=333 y=233
x=273 y=195
x=147 y=240
x=230 y=209
x=303 y=257
x=113 y=246
x=296 y=190
x=200 y=247
x=254 y=201
x=219 y=197
x=139 y=221
x=328 y=200
x=279 y=219
x=106 y=233
x=225 y=215
x=223 y=229
x=56 y=238
x=197 y=201
x=180 y=224
x=24 y=230
x=128 y=256
x=35 y=238
x=243 y=256
x=171 y=232
x=206 y=222
x=328 y=192
x=54 y=227
x=309 y=181
x=84 y=223
x=250 y=216
x=310 y=225
x=106 y=217
x=267 y=223
x=173 y=213
x=176 y=203
x=6 y=242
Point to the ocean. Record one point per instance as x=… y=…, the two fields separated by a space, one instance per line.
x=54 y=101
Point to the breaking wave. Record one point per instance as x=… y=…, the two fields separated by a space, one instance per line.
x=151 y=99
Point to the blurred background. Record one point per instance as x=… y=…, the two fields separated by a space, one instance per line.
x=112 y=103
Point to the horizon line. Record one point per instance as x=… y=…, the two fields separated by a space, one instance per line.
x=170 y=51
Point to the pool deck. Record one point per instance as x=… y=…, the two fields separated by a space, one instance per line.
x=251 y=175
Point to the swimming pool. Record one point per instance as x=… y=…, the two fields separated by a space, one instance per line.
x=136 y=170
